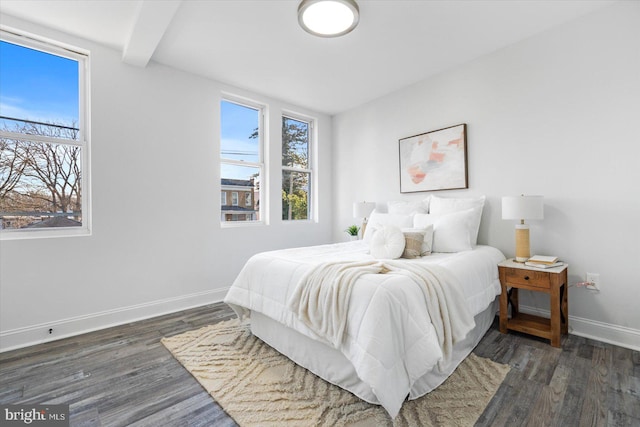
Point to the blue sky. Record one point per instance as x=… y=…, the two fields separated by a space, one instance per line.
x=237 y=124
x=38 y=86
x=42 y=87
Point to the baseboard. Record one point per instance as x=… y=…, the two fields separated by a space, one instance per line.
x=37 y=334
x=599 y=331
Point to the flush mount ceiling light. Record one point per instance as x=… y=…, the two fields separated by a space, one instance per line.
x=328 y=18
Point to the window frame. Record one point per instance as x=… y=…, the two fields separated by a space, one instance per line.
x=263 y=195
x=82 y=57
x=310 y=169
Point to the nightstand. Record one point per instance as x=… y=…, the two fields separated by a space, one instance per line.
x=552 y=281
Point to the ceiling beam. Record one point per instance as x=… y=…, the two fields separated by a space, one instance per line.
x=151 y=23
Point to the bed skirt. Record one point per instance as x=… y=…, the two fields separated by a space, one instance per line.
x=332 y=366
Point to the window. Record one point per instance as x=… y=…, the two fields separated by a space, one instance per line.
x=223 y=198
x=241 y=164
x=247 y=199
x=44 y=144
x=296 y=168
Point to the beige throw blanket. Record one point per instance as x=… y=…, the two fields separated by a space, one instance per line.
x=321 y=298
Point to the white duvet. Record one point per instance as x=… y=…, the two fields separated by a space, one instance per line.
x=388 y=335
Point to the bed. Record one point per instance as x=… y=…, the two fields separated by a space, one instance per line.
x=390 y=346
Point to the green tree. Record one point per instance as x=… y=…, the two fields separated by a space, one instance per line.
x=295 y=155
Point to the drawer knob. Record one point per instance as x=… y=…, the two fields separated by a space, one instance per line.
x=526 y=277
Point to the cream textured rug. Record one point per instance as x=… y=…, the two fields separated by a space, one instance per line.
x=258 y=386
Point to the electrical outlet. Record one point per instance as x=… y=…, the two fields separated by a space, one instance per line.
x=593 y=278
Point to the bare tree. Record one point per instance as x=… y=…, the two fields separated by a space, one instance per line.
x=41 y=176
x=56 y=168
x=12 y=165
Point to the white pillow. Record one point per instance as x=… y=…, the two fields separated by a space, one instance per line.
x=408 y=208
x=387 y=243
x=450 y=232
x=377 y=220
x=446 y=205
x=428 y=237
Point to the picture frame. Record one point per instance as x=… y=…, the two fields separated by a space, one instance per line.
x=434 y=160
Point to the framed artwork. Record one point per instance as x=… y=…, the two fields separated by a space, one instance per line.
x=435 y=160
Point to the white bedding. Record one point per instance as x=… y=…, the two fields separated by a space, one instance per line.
x=379 y=307
x=321 y=299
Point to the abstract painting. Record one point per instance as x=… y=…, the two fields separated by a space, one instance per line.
x=435 y=160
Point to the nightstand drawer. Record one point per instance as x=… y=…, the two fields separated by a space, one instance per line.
x=538 y=279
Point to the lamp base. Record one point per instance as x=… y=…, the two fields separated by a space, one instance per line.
x=523 y=252
x=364 y=227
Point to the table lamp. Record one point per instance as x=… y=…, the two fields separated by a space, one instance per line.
x=363 y=210
x=521 y=208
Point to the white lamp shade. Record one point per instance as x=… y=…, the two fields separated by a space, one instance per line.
x=363 y=209
x=522 y=207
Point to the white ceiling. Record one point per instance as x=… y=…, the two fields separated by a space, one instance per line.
x=258 y=45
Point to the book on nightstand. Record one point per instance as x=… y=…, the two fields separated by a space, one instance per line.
x=543 y=261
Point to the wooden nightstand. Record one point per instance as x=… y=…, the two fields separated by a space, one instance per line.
x=553 y=281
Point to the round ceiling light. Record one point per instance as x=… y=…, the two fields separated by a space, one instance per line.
x=328 y=18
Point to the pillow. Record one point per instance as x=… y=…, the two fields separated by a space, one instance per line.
x=413 y=241
x=443 y=205
x=387 y=243
x=450 y=232
x=427 y=238
x=409 y=208
x=377 y=220
x=412 y=244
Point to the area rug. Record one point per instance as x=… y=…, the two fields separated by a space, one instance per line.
x=258 y=386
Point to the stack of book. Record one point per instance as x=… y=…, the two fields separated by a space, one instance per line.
x=543 y=261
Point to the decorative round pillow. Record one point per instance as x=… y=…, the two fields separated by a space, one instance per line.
x=387 y=243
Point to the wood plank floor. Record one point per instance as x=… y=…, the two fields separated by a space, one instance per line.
x=123 y=376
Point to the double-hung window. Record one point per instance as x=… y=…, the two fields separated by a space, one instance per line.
x=44 y=139
x=241 y=160
x=296 y=168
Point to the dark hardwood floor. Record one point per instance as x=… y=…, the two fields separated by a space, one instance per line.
x=124 y=376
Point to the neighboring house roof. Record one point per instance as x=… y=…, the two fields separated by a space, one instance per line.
x=56 y=221
x=239 y=182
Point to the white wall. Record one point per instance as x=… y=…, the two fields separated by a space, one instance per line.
x=157 y=244
x=557 y=115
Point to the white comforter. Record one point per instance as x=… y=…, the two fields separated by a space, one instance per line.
x=388 y=335
x=322 y=297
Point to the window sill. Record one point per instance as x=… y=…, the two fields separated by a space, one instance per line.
x=44 y=234
x=237 y=224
